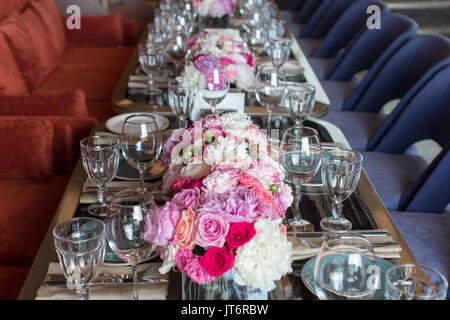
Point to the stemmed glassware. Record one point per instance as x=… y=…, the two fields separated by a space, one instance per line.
x=151 y=56
x=80 y=245
x=215 y=90
x=133 y=214
x=181 y=100
x=300 y=98
x=300 y=156
x=177 y=49
x=141 y=142
x=279 y=51
x=275 y=29
x=415 y=282
x=270 y=88
x=346 y=268
x=341 y=169
x=256 y=38
x=100 y=157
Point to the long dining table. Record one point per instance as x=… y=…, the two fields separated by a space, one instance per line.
x=364 y=208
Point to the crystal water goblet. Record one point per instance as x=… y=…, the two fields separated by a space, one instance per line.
x=341 y=170
x=415 y=282
x=132 y=228
x=181 y=99
x=215 y=90
x=279 y=51
x=300 y=98
x=275 y=29
x=80 y=245
x=177 y=49
x=300 y=157
x=346 y=268
x=151 y=56
x=141 y=143
x=270 y=88
x=100 y=157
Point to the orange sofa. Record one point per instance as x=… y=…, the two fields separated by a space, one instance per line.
x=55 y=86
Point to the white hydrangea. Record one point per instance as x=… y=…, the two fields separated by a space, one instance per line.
x=265 y=258
x=236 y=121
x=228 y=152
x=193 y=77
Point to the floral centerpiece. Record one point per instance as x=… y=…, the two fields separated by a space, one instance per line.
x=227 y=202
x=214 y=8
x=222 y=50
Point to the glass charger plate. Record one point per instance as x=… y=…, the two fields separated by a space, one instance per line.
x=307 y=276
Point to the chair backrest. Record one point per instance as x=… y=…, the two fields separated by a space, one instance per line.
x=296 y=5
x=369 y=45
x=307 y=11
x=347 y=27
x=398 y=73
x=324 y=18
x=423 y=113
x=430 y=192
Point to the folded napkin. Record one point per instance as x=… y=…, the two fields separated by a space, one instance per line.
x=89 y=192
x=301 y=251
x=147 y=291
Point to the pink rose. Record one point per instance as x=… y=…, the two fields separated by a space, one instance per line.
x=185 y=228
x=211 y=230
x=196 y=272
x=168 y=219
x=239 y=234
x=187 y=198
x=217 y=261
x=182 y=258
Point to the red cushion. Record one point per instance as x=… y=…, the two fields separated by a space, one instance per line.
x=49 y=15
x=11 y=80
x=58 y=103
x=11 y=281
x=48 y=57
x=97 y=84
x=27 y=209
x=96 y=57
x=101 y=110
x=9 y=6
x=20 y=42
x=27 y=149
x=97 y=31
x=131 y=32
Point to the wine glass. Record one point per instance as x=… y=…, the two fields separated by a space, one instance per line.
x=270 y=88
x=150 y=57
x=181 y=99
x=346 y=268
x=256 y=38
x=275 y=29
x=300 y=98
x=340 y=172
x=279 y=51
x=141 y=142
x=215 y=90
x=80 y=245
x=177 y=49
x=415 y=282
x=100 y=157
x=300 y=157
x=133 y=213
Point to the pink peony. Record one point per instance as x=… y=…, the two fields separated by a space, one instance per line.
x=211 y=230
x=182 y=258
x=217 y=261
x=239 y=234
x=168 y=216
x=218 y=182
x=187 y=198
x=196 y=272
x=230 y=72
x=246 y=77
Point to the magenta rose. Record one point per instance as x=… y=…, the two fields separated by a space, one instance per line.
x=187 y=198
x=168 y=219
x=211 y=230
x=196 y=272
x=181 y=183
x=182 y=258
x=217 y=261
x=239 y=234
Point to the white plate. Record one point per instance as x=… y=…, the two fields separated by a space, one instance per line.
x=290 y=68
x=115 y=123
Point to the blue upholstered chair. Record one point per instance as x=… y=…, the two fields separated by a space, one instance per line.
x=294 y=9
x=343 y=30
x=307 y=11
x=369 y=50
x=404 y=181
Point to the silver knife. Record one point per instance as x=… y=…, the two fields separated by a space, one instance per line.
x=321 y=234
x=58 y=280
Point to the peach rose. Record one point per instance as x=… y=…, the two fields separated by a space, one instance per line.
x=185 y=228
